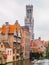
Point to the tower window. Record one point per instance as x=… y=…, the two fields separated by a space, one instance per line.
x=29 y=10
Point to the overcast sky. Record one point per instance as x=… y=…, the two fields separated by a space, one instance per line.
x=11 y=10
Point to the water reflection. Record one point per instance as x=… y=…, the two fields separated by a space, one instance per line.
x=43 y=62
x=27 y=62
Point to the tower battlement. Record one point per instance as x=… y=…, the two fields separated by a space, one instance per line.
x=28 y=6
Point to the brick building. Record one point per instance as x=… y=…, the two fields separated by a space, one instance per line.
x=25 y=41
x=12 y=35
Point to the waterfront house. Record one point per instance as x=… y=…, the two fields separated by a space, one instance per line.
x=25 y=41
x=12 y=35
x=7 y=52
x=38 y=46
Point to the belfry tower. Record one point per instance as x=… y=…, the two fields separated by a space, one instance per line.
x=29 y=20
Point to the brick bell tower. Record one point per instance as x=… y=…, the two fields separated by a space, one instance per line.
x=29 y=20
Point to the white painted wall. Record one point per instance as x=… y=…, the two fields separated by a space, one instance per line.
x=9 y=51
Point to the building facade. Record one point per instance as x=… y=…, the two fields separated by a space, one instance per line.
x=38 y=45
x=6 y=51
x=29 y=20
x=25 y=42
x=12 y=34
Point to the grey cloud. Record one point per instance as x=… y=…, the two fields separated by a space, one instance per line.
x=10 y=10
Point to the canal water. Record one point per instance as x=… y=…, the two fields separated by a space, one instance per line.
x=24 y=62
x=27 y=62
